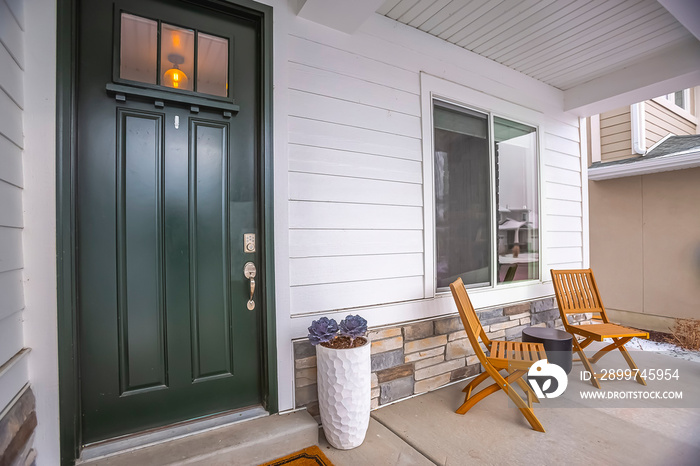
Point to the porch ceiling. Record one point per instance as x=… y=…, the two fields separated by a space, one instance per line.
x=602 y=54
x=562 y=43
x=587 y=48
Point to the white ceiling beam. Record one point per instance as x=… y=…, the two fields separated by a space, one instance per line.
x=665 y=71
x=687 y=12
x=342 y=15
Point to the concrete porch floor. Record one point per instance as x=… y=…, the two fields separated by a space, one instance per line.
x=425 y=430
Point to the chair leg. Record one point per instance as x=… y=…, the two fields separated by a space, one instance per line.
x=524 y=408
x=474 y=383
x=528 y=391
x=584 y=360
x=500 y=384
x=471 y=401
x=586 y=342
x=632 y=365
x=617 y=342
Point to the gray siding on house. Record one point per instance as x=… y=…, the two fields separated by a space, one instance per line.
x=13 y=362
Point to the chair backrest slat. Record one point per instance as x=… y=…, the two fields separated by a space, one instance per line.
x=581 y=290
x=470 y=320
x=577 y=292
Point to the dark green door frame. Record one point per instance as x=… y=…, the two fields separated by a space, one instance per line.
x=66 y=58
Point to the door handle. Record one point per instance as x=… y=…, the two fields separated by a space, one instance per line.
x=250 y=271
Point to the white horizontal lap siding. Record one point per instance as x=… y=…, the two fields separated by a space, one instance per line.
x=331 y=188
x=321 y=134
x=320 y=270
x=13 y=366
x=336 y=296
x=10 y=249
x=332 y=110
x=10 y=336
x=310 y=53
x=562 y=197
x=332 y=216
x=355 y=180
x=321 y=160
x=355 y=161
x=352 y=89
x=330 y=283
x=328 y=243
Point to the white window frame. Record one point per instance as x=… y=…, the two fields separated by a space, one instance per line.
x=433 y=88
x=668 y=101
x=686 y=99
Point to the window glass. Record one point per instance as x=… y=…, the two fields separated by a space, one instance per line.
x=515 y=151
x=462 y=196
x=177 y=57
x=212 y=64
x=139 y=49
x=679 y=98
x=467 y=229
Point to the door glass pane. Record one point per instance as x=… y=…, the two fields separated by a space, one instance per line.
x=212 y=64
x=462 y=192
x=516 y=199
x=138 y=49
x=177 y=57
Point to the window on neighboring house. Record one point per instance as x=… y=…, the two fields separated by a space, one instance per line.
x=486 y=226
x=680 y=98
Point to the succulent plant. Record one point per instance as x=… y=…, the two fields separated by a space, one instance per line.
x=353 y=326
x=322 y=330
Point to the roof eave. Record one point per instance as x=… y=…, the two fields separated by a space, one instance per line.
x=678 y=161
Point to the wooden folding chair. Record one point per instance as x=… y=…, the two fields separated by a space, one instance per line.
x=513 y=356
x=577 y=292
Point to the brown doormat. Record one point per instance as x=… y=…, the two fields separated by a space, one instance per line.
x=312 y=456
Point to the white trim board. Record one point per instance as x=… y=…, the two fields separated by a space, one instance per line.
x=678 y=161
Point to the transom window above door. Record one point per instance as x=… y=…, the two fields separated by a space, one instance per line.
x=161 y=54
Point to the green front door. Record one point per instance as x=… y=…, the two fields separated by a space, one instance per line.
x=167 y=186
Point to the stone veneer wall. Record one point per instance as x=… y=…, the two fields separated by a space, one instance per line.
x=17 y=432
x=419 y=357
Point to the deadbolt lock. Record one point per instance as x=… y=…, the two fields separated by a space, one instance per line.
x=249 y=242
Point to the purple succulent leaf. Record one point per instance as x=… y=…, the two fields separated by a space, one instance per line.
x=353 y=326
x=322 y=330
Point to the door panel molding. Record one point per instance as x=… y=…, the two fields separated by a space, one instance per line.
x=138 y=267
x=68 y=330
x=206 y=161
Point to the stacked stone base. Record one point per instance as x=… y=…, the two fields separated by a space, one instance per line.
x=17 y=432
x=419 y=357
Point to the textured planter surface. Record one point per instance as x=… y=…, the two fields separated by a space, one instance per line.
x=344 y=388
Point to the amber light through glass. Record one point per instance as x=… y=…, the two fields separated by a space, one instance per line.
x=176 y=57
x=139 y=52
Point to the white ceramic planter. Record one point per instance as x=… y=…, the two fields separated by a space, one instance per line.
x=344 y=386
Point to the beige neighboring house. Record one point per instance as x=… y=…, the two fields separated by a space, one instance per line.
x=644 y=192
